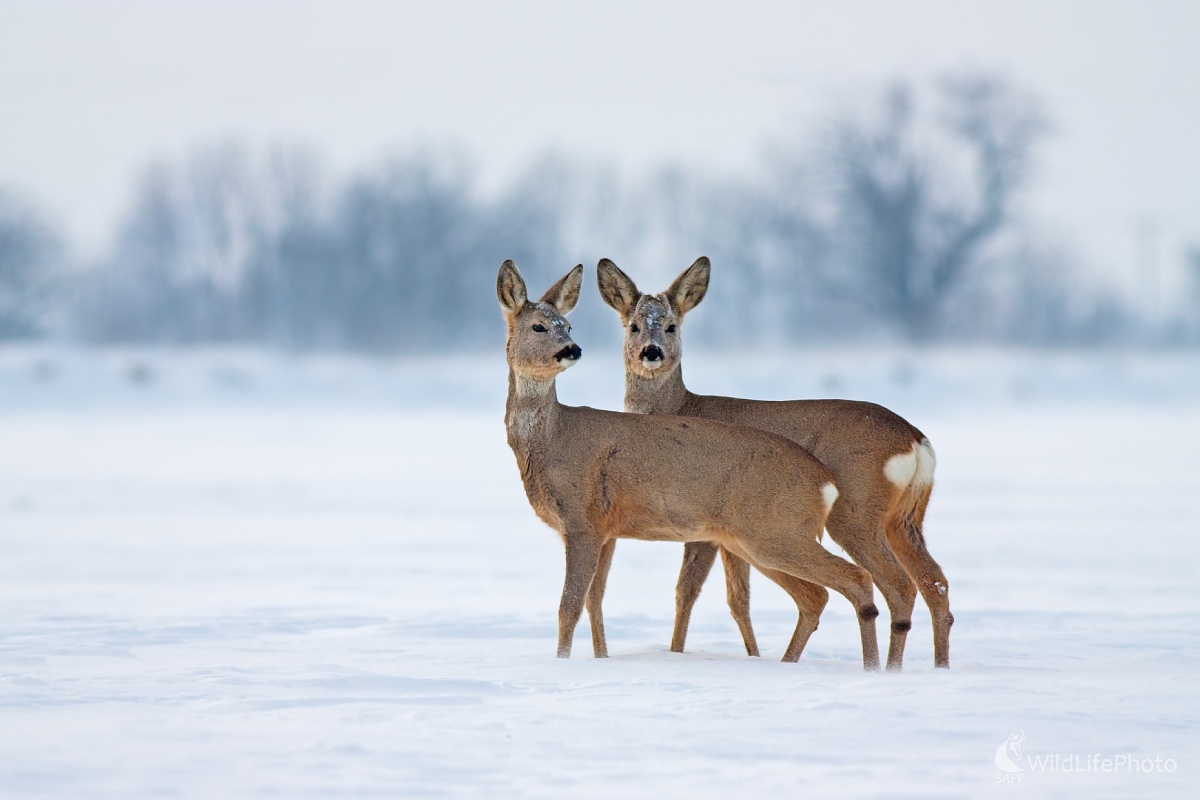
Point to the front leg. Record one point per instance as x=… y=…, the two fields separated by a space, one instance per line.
x=595 y=598
x=583 y=555
x=698 y=558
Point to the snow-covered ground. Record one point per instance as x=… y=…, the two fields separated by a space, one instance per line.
x=238 y=574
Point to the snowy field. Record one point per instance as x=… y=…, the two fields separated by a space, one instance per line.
x=235 y=574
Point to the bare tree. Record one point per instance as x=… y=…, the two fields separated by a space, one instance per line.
x=761 y=237
x=30 y=254
x=1192 y=264
x=913 y=226
x=184 y=254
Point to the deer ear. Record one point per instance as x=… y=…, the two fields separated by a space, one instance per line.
x=565 y=294
x=617 y=289
x=690 y=287
x=510 y=288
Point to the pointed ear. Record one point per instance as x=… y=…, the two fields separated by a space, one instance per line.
x=510 y=288
x=617 y=289
x=689 y=288
x=565 y=294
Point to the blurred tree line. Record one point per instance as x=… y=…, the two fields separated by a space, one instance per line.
x=904 y=220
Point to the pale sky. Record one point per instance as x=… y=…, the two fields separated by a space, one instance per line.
x=91 y=91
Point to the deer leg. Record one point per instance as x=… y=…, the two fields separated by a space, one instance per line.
x=595 y=597
x=859 y=528
x=897 y=589
x=737 y=594
x=698 y=558
x=812 y=562
x=908 y=543
x=810 y=602
x=583 y=554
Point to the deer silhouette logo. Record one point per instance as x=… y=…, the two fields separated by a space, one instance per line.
x=1011 y=744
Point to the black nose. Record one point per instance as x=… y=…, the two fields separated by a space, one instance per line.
x=652 y=353
x=571 y=352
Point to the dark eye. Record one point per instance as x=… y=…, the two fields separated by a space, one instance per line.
x=634 y=327
x=671 y=328
x=539 y=327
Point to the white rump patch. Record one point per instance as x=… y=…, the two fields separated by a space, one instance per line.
x=899 y=469
x=926 y=462
x=830 y=493
x=914 y=467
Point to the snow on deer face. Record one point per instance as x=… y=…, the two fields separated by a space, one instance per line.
x=652 y=343
x=539 y=342
x=652 y=322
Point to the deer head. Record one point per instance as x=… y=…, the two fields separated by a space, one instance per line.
x=652 y=322
x=539 y=344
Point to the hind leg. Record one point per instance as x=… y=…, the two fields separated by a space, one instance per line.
x=864 y=539
x=595 y=598
x=737 y=593
x=908 y=544
x=698 y=558
x=856 y=523
x=808 y=560
x=810 y=602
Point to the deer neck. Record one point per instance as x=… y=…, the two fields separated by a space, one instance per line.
x=530 y=413
x=661 y=394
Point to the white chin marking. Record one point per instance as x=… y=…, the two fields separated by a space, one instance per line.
x=651 y=365
x=567 y=362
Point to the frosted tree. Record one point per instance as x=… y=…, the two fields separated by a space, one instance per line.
x=198 y=229
x=31 y=253
x=920 y=202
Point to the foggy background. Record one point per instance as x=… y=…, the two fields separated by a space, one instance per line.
x=261 y=534
x=319 y=177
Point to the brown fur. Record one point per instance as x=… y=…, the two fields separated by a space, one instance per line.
x=878 y=523
x=590 y=475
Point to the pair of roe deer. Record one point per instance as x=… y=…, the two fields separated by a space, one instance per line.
x=756 y=481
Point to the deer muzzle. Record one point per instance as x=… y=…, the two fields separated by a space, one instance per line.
x=652 y=356
x=569 y=353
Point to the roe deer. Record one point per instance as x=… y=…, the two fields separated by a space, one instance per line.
x=883 y=466
x=595 y=476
